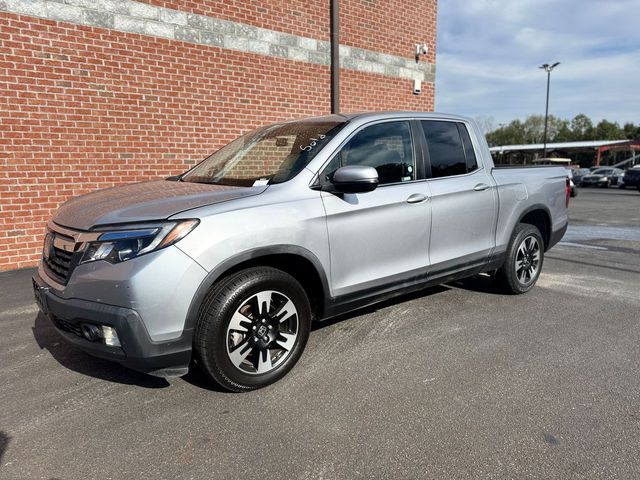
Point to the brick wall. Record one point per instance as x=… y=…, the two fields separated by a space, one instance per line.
x=84 y=107
x=308 y=18
x=389 y=26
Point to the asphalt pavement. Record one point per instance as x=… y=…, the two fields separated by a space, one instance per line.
x=457 y=381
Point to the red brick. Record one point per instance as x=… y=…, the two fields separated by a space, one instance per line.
x=83 y=108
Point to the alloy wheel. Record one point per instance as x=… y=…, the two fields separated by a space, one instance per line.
x=527 y=260
x=262 y=332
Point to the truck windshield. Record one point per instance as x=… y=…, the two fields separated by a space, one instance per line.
x=266 y=156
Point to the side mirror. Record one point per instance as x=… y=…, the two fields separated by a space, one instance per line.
x=353 y=179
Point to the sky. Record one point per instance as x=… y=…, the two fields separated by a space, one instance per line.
x=489 y=51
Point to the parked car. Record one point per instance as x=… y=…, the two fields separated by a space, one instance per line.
x=631 y=177
x=578 y=173
x=228 y=263
x=601 y=177
x=572 y=185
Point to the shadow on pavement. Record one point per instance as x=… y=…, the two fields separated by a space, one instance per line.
x=48 y=338
x=198 y=379
x=479 y=283
x=4 y=443
x=386 y=303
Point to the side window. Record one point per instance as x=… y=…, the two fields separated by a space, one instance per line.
x=472 y=163
x=387 y=147
x=446 y=148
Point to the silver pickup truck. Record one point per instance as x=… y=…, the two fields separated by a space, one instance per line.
x=227 y=265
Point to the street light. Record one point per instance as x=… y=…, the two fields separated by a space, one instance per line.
x=547 y=68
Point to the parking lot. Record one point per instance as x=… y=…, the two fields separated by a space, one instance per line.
x=457 y=381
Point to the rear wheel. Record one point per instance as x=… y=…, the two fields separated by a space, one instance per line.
x=252 y=329
x=525 y=256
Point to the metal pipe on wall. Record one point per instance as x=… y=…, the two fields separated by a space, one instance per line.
x=335 y=57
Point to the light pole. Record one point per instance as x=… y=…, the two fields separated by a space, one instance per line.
x=547 y=68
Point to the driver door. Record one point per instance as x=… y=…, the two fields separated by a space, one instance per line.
x=379 y=240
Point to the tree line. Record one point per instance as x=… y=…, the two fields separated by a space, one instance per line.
x=531 y=130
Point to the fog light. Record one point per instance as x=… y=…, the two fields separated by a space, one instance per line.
x=110 y=336
x=90 y=332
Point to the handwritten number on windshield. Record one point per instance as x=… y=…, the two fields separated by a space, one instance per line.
x=314 y=142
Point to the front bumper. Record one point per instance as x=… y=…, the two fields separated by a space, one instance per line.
x=631 y=181
x=137 y=351
x=593 y=182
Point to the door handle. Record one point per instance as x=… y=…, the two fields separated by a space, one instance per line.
x=480 y=187
x=417 y=198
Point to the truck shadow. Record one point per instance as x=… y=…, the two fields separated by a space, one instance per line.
x=426 y=292
x=4 y=443
x=479 y=283
x=48 y=338
x=198 y=379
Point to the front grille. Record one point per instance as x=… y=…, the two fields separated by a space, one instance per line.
x=59 y=264
x=59 y=257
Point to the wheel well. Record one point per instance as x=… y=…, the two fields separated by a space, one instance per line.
x=540 y=219
x=295 y=265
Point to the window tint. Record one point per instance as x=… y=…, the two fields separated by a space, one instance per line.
x=269 y=155
x=472 y=163
x=386 y=146
x=446 y=152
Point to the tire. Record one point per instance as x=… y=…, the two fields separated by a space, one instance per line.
x=514 y=280
x=257 y=301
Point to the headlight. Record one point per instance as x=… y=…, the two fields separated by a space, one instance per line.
x=119 y=245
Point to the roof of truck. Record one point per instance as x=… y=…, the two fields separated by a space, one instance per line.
x=394 y=114
x=383 y=116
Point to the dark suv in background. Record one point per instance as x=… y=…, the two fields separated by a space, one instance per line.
x=631 y=177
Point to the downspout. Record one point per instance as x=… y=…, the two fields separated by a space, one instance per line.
x=335 y=57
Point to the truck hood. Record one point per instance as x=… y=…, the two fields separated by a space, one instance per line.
x=141 y=202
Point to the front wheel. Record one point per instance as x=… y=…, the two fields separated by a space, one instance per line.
x=252 y=328
x=525 y=256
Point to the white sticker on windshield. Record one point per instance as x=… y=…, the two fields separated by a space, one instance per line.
x=261 y=183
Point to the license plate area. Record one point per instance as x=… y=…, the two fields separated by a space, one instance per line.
x=39 y=293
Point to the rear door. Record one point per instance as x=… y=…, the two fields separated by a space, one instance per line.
x=464 y=201
x=379 y=239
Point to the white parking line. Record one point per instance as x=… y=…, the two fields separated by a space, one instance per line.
x=579 y=245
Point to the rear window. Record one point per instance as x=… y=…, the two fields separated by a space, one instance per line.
x=450 y=148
